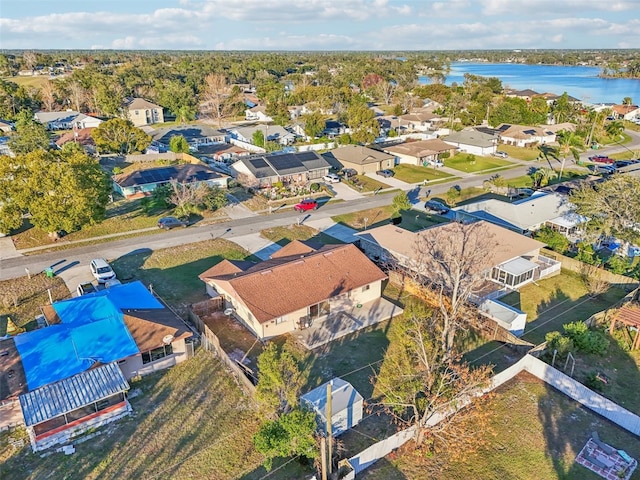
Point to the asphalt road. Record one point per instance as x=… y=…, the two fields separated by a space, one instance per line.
x=81 y=256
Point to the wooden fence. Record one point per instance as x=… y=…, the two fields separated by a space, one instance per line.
x=210 y=342
x=577 y=266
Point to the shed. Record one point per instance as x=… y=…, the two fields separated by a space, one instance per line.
x=346 y=405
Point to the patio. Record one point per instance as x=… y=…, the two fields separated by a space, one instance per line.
x=343 y=322
x=606 y=461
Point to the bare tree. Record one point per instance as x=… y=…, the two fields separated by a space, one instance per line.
x=218 y=97
x=452 y=261
x=419 y=386
x=386 y=90
x=47 y=94
x=30 y=60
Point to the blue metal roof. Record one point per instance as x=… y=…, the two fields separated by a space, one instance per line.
x=72 y=393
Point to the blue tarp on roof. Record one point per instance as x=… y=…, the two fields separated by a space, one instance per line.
x=92 y=329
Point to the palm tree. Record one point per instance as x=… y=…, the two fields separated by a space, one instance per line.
x=627 y=101
x=615 y=128
x=569 y=143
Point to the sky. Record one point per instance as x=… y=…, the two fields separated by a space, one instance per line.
x=319 y=24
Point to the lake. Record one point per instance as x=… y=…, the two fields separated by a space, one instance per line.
x=579 y=82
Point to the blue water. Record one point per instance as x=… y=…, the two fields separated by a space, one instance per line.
x=580 y=82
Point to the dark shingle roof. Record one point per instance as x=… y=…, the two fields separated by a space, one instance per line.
x=284 y=164
x=182 y=173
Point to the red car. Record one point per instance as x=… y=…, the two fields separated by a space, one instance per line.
x=601 y=159
x=307 y=204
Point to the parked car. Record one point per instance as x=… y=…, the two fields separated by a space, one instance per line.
x=436 y=207
x=601 y=159
x=331 y=178
x=349 y=172
x=171 y=222
x=436 y=163
x=385 y=173
x=86 y=287
x=622 y=163
x=602 y=169
x=101 y=270
x=306 y=204
x=500 y=154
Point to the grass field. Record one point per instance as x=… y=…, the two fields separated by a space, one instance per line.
x=521 y=153
x=21 y=298
x=286 y=234
x=174 y=271
x=375 y=217
x=122 y=216
x=525 y=181
x=368 y=184
x=461 y=162
x=191 y=421
x=38 y=81
x=416 y=174
x=552 y=302
x=538 y=433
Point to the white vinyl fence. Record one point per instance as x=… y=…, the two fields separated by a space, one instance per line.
x=550 y=375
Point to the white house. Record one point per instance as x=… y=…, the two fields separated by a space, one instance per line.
x=346 y=405
x=525 y=136
x=472 y=141
x=66 y=120
x=257 y=114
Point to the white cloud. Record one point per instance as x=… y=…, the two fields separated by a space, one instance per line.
x=554 y=7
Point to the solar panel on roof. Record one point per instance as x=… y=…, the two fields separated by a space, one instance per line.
x=258 y=163
x=285 y=161
x=307 y=156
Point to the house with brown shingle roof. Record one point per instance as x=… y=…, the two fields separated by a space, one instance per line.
x=524 y=135
x=359 y=158
x=420 y=153
x=298 y=286
x=626 y=112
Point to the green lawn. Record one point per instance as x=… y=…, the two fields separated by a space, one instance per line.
x=21 y=298
x=374 y=217
x=415 y=220
x=286 y=234
x=537 y=433
x=362 y=183
x=461 y=162
x=552 y=302
x=122 y=216
x=525 y=181
x=521 y=153
x=174 y=271
x=416 y=174
x=191 y=421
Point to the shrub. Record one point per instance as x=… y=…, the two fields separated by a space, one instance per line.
x=594 y=382
x=554 y=240
x=444 y=155
x=585 y=340
x=557 y=341
x=617 y=264
x=314 y=187
x=117 y=170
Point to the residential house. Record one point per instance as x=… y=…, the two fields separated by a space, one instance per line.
x=196 y=136
x=142 y=182
x=4 y=147
x=359 y=158
x=142 y=112
x=420 y=153
x=420 y=120
x=333 y=129
x=70 y=376
x=473 y=141
x=300 y=285
x=82 y=137
x=289 y=168
x=346 y=405
x=5 y=126
x=560 y=127
x=257 y=114
x=223 y=152
x=272 y=133
x=525 y=136
x=526 y=94
x=527 y=215
x=66 y=120
x=626 y=112
x=515 y=261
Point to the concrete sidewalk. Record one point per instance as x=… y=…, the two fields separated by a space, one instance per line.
x=257 y=245
x=333 y=229
x=8 y=249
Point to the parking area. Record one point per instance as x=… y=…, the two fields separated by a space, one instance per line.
x=344 y=192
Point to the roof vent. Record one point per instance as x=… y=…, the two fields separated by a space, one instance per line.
x=167 y=339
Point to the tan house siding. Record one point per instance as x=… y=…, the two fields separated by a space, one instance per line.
x=148 y=116
x=132 y=366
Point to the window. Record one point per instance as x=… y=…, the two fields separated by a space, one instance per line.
x=137 y=112
x=157 y=353
x=366 y=287
x=280 y=320
x=319 y=309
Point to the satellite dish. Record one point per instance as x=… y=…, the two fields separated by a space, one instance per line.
x=228 y=311
x=167 y=339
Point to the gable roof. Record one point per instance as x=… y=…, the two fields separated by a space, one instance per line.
x=68 y=116
x=81 y=136
x=187 y=173
x=421 y=148
x=356 y=154
x=522 y=214
x=263 y=166
x=508 y=244
x=150 y=328
x=522 y=131
x=280 y=286
x=189 y=132
x=270 y=131
x=140 y=104
x=471 y=137
x=296 y=247
x=13 y=380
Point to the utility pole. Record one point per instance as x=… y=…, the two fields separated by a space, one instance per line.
x=323 y=457
x=329 y=424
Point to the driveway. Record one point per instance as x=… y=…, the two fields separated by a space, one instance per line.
x=333 y=229
x=258 y=245
x=391 y=181
x=346 y=321
x=344 y=192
